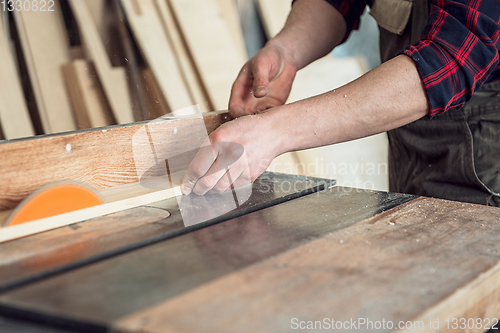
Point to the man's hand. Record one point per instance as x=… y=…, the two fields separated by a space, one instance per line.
x=385 y=98
x=248 y=142
x=264 y=82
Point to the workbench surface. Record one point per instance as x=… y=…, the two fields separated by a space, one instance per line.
x=340 y=254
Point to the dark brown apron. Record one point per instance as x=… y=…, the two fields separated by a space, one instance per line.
x=454 y=155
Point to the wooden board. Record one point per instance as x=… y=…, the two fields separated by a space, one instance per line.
x=87 y=97
x=157 y=51
x=424 y=261
x=191 y=76
x=274 y=14
x=215 y=55
x=15 y=121
x=113 y=80
x=44 y=65
x=155 y=100
x=103 y=19
x=101 y=158
x=97 y=9
x=229 y=11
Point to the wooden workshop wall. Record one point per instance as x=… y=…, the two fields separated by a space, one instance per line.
x=75 y=64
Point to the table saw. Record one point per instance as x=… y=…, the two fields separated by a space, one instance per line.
x=298 y=254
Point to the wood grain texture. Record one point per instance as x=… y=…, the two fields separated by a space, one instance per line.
x=101 y=12
x=44 y=65
x=102 y=158
x=157 y=51
x=155 y=100
x=215 y=55
x=75 y=93
x=87 y=97
x=14 y=117
x=229 y=11
x=191 y=76
x=426 y=259
x=43 y=251
x=113 y=80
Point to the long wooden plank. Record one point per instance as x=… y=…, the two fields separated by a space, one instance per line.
x=155 y=100
x=53 y=222
x=230 y=13
x=44 y=65
x=155 y=46
x=193 y=82
x=100 y=12
x=216 y=57
x=14 y=118
x=76 y=95
x=274 y=14
x=424 y=261
x=113 y=80
x=89 y=102
x=101 y=157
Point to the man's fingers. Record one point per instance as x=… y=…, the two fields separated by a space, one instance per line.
x=207 y=182
x=243 y=179
x=223 y=184
x=224 y=171
x=203 y=161
x=261 y=68
x=240 y=91
x=231 y=176
x=255 y=82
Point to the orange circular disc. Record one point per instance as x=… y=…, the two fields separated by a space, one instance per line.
x=54 y=199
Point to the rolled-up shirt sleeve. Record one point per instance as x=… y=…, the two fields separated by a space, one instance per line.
x=458 y=51
x=352 y=11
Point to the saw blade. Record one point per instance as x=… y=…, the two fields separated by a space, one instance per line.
x=54 y=199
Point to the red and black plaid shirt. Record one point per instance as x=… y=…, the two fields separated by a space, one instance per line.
x=458 y=50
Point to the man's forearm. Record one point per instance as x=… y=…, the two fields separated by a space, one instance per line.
x=385 y=98
x=312 y=30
